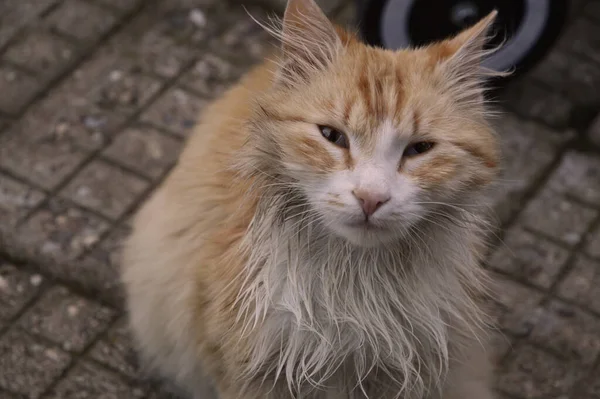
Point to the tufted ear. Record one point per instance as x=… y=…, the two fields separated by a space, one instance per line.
x=469 y=45
x=309 y=41
x=461 y=57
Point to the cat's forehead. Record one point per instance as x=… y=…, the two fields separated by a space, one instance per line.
x=381 y=93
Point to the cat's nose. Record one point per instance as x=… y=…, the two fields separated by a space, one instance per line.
x=370 y=200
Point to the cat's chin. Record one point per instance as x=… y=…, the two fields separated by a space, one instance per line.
x=364 y=234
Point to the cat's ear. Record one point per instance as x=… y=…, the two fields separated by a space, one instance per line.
x=309 y=40
x=468 y=47
x=461 y=56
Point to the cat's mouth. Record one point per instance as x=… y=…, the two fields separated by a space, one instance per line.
x=365 y=224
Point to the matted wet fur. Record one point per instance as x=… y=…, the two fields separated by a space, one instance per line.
x=321 y=235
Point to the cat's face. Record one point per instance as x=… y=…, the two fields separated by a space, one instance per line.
x=376 y=140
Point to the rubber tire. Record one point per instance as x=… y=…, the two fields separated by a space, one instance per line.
x=370 y=16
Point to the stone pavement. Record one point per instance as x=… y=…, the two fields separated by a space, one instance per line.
x=97 y=98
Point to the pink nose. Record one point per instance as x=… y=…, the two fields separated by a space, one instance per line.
x=370 y=201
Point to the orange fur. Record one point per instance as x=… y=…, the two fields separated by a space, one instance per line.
x=187 y=259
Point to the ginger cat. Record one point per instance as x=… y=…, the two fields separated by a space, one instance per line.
x=320 y=237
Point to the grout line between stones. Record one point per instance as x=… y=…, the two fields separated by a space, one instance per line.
x=73 y=286
x=20 y=31
x=165 y=132
x=12 y=393
x=550 y=294
x=13 y=320
x=20 y=68
x=544 y=291
x=167 y=84
x=129 y=211
x=61 y=75
x=75 y=359
x=129 y=121
x=107 y=7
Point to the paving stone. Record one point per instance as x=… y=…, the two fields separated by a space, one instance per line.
x=558 y=217
x=193 y=21
x=17 y=289
x=109 y=249
x=144 y=150
x=176 y=111
x=576 y=10
x=582 y=284
x=87 y=380
x=212 y=75
x=104 y=63
x=96 y=277
x=125 y=91
x=60 y=232
x=116 y=350
x=534 y=374
x=6 y=395
x=154 y=53
x=568 y=73
x=592 y=10
x=87 y=128
x=106 y=95
x=16 y=200
x=529 y=257
x=102 y=266
x=528 y=150
x=97 y=271
x=123 y=5
x=594 y=131
x=592 y=388
x=346 y=17
x=41 y=52
x=515 y=307
x=27 y=366
x=69 y=116
x=534 y=101
x=328 y=6
x=246 y=39
x=17 y=88
x=568 y=331
x=582 y=37
x=169 y=391
x=166 y=39
x=81 y=20
x=203 y=4
x=578 y=175
x=42 y=162
x=592 y=246
x=67 y=319
x=15 y=15
x=105 y=189
x=499 y=346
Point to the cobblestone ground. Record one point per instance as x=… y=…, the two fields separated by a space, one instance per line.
x=97 y=98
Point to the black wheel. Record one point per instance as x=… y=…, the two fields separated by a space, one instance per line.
x=529 y=27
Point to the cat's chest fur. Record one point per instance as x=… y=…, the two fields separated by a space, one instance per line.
x=333 y=316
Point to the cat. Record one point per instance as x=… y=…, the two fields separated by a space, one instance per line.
x=321 y=234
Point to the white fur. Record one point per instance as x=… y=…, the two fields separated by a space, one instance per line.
x=381 y=316
x=373 y=313
x=377 y=172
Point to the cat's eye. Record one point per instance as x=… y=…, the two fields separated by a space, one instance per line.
x=335 y=136
x=418 y=148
